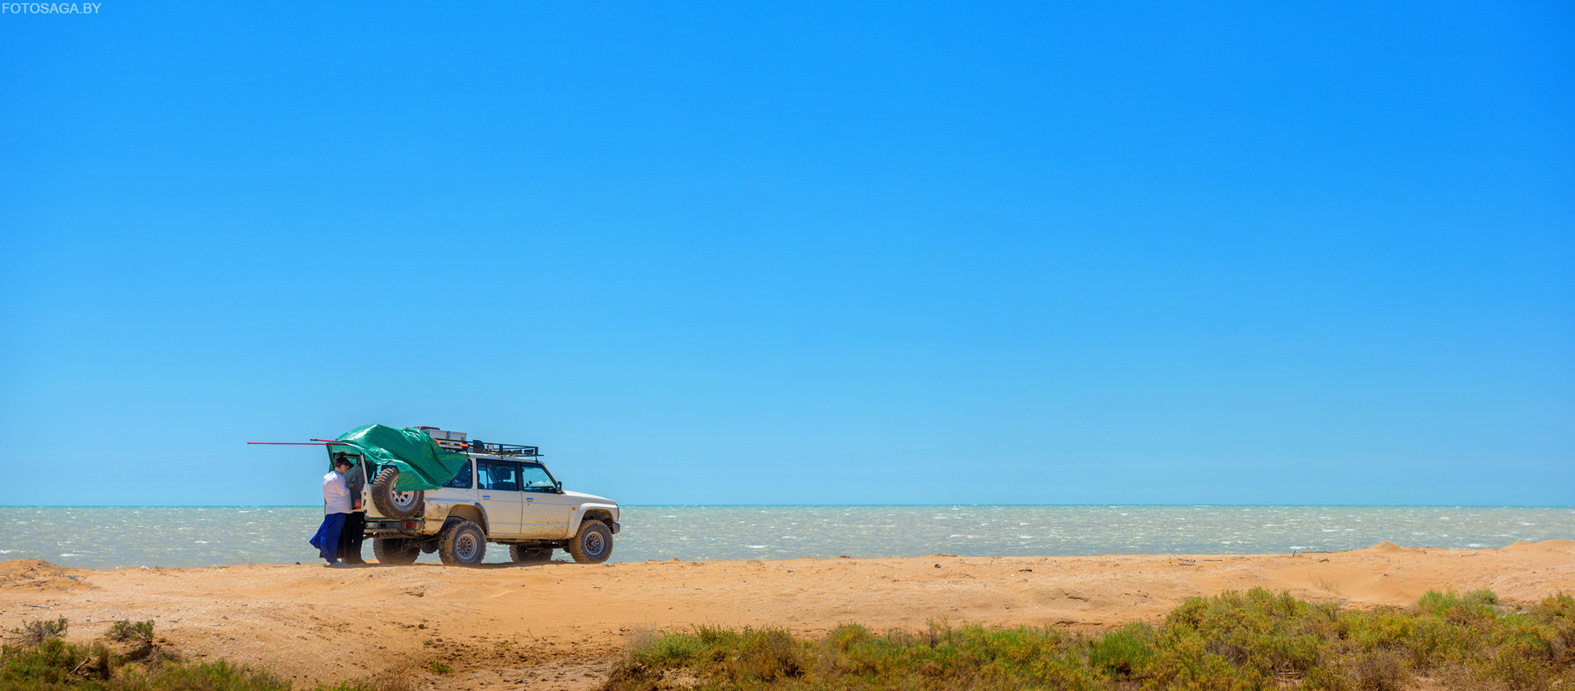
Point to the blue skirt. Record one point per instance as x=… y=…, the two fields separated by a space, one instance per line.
x=327 y=538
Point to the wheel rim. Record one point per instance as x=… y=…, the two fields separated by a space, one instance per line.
x=404 y=499
x=465 y=547
x=594 y=544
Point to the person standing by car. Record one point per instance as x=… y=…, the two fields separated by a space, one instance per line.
x=336 y=505
x=354 y=530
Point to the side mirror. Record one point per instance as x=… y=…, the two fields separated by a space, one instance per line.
x=557 y=486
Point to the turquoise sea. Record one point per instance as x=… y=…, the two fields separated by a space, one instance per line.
x=134 y=536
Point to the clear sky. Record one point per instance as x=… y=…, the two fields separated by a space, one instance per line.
x=793 y=252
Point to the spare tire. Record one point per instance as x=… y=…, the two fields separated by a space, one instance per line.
x=391 y=503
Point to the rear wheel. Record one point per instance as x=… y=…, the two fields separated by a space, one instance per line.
x=395 y=550
x=592 y=545
x=392 y=503
x=525 y=554
x=461 y=543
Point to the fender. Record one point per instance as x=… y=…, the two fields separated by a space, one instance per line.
x=439 y=511
x=604 y=512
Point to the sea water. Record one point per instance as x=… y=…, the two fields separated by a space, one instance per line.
x=134 y=536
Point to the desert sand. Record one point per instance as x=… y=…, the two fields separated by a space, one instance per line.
x=562 y=626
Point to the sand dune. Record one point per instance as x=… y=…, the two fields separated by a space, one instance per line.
x=560 y=625
x=1545 y=546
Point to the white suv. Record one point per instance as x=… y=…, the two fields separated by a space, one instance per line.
x=504 y=495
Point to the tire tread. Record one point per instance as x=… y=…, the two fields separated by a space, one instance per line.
x=450 y=533
x=576 y=548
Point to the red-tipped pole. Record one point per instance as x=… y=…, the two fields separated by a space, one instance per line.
x=290 y=443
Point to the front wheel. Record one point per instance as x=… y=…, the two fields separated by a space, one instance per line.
x=461 y=543
x=592 y=545
x=395 y=550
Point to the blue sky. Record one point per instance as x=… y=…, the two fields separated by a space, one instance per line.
x=796 y=252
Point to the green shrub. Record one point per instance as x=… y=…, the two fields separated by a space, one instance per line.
x=1230 y=641
x=1472 y=607
x=1261 y=634
x=1067 y=672
x=55 y=665
x=1380 y=630
x=1519 y=667
x=1251 y=640
x=1381 y=669
x=1183 y=661
x=127 y=631
x=1555 y=607
x=674 y=650
x=217 y=676
x=1125 y=653
x=49 y=664
x=36 y=632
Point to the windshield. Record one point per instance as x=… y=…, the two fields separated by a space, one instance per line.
x=534 y=478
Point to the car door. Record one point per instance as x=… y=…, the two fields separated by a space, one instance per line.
x=546 y=511
x=498 y=490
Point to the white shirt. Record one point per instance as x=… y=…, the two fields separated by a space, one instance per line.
x=336 y=496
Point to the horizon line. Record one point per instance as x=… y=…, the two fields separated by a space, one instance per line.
x=1117 y=504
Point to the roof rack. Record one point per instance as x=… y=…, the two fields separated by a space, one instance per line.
x=459 y=441
x=479 y=446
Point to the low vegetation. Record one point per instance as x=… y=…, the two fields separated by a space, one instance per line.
x=1252 y=640
x=125 y=631
x=36 y=632
x=40 y=661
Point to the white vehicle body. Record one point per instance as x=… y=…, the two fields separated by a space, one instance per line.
x=513 y=501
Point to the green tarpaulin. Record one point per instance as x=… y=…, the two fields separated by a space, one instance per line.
x=421 y=462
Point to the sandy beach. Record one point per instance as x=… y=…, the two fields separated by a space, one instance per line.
x=562 y=626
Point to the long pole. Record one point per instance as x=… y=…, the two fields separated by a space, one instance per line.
x=290 y=443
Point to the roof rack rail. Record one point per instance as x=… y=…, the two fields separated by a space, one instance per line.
x=479 y=446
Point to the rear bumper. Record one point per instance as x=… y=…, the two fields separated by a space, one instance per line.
x=389 y=526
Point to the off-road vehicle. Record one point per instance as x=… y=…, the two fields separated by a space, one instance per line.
x=504 y=494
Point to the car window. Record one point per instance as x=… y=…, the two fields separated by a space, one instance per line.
x=534 y=478
x=462 y=479
x=497 y=475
